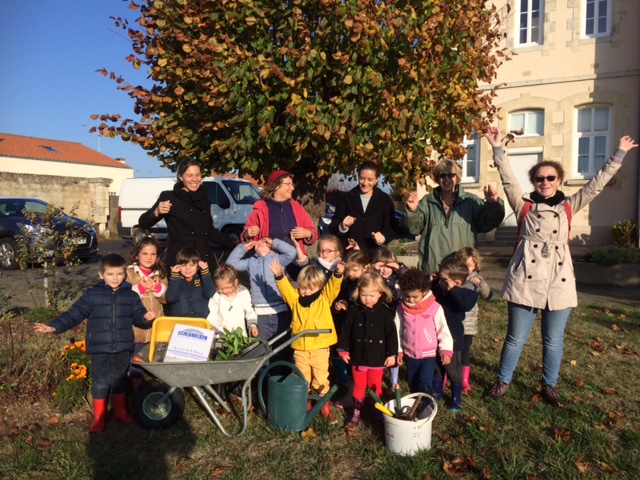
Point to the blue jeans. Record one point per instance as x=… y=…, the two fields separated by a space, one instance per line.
x=420 y=373
x=521 y=319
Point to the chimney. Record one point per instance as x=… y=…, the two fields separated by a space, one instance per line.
x=121 y=160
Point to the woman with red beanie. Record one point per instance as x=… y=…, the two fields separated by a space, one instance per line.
x=279 y=216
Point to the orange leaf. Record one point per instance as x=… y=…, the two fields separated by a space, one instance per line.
x=53 y=421
x=580 y=382
x=608 y=391
x=563 y=434
x=613 y=414
x=220 y=471
x=615 y=328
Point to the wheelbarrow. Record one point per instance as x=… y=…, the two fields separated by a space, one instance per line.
x=160 y=402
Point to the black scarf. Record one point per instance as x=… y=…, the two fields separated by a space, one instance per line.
x=189 y=196
x=307 y=300
x=557 y=199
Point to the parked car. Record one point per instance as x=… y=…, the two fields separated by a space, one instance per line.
x=13 y=223
x=232 y=200
x=325 y=221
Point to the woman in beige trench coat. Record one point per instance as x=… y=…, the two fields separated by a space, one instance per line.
x=540 y=275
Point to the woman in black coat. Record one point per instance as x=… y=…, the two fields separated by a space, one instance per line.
x=187 y=211
x=365 y=215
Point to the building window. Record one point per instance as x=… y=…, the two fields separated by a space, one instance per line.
x=597 y=18
x=530 y=19
x=469 y=163
x=593 y=138
x=530 y=122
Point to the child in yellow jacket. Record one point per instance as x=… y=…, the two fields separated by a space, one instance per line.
x=310 y=305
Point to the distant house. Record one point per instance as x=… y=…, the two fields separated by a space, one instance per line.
x=42 y=156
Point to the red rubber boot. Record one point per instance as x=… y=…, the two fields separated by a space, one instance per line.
x=99 y=414
x=120 y=407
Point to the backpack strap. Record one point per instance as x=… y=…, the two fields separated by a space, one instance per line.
x=525 y=211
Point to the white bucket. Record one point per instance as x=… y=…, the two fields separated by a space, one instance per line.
x=406 y=437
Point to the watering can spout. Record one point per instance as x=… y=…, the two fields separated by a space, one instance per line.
x=321 y=400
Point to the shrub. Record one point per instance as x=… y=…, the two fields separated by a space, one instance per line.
x=612 y=255
x=41 y=314
x=625 y=233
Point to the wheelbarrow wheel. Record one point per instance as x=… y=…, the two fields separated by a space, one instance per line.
x=148 y=414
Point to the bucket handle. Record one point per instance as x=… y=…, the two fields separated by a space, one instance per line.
x=293 y=368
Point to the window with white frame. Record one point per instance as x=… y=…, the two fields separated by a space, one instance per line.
x=469 y=163
x=530 y=22
x=597 y=17
x=530 y=122
x=593 y=131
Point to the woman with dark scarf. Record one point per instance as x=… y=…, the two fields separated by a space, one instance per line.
x=540 y=275
x=187 y=211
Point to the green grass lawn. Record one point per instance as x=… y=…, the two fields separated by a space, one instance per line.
x=594 y=435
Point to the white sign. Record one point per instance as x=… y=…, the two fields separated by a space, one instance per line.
x=189 y=344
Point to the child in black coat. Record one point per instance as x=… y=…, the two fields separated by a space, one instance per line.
x=455 y=301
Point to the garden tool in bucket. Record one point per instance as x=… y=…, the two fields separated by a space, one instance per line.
x=287 y=399
x=411 y=432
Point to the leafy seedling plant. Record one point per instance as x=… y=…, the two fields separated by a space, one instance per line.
x=233 y=344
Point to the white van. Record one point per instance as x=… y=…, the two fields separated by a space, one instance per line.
x=232 y=200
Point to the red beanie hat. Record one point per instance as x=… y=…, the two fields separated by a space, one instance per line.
x=277 y=175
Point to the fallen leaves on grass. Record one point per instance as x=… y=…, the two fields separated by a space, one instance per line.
x=613 y=414
x=608 y=391
x=596 y=346
x=582 y=464
x=220 y=471
x=53 y=421
x=309 y=433
x=563 y=434
x=615 y=328
x=457 y=467
x=580 y=382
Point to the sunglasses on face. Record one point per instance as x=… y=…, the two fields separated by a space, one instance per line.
x=548 y=178
x=450 y=176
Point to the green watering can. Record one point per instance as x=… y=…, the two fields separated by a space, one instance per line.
x=288 y=397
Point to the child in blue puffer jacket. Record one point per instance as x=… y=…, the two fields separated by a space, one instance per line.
x=111 y=309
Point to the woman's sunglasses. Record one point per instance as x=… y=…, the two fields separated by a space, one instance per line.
x=548 y=178
x=450 y=176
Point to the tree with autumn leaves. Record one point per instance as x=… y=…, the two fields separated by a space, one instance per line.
x=314 y=87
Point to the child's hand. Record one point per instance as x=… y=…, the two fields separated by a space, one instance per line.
x=346 y=358
x=148 y=284
x=390 y=361
x=475 y=280
x=433 y=277
x=275 y=267
x=254 y=331
x=176 y=269
x=341 y=305
x=250 y=245
x=150 y=315
x=42 y=328
x=268 y=241
x=353 y=245
x=400 y=359
x=446 y=359
x=378 y=238
x=203 y=265
x=300 y=233
x=340 y=268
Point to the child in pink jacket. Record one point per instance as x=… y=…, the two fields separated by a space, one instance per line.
x=423 y=330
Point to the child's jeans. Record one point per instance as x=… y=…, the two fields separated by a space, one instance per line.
x=109 y=372
x=271 y=325
x=420 y=373
x=364 y=377
x=314 y=364
x=453 y=369
x=135 y=372
x=466 y=350
x=393 y=376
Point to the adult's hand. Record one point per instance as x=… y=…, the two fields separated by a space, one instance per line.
x=490 y=195
x=627 y=143
x=494 y=136
x=252 y=231
x=412 y=201
x=300 y=233
x=162 y=208
x=348 y=222
x=378 y=238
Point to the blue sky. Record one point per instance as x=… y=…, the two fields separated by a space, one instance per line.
x=49 y=53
